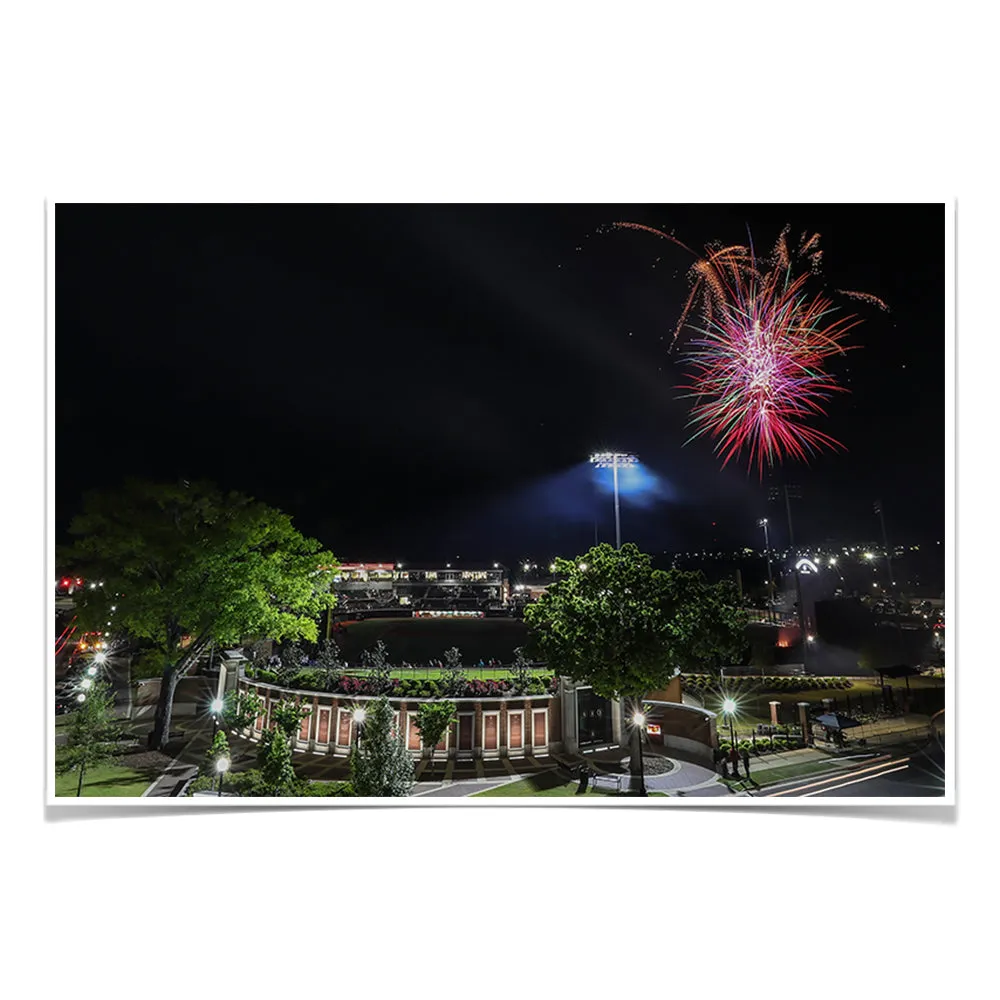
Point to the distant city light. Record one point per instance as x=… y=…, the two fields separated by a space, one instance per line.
x=582 y=567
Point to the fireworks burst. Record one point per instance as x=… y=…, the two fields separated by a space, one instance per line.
x=757 y=359
x=757 y=372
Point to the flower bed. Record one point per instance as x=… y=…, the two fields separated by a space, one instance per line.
x=354 y=684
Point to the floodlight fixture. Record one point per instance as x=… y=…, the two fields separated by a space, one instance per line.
x=614 y=460
x=728 y=706
x=360 y=715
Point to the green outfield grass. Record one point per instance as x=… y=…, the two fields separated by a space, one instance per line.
x=419 y=640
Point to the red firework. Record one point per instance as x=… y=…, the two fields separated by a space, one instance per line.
x=758 y=374
x=758 y=359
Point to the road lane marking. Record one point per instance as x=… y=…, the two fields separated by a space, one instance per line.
x=837 y=777
x=871 y=777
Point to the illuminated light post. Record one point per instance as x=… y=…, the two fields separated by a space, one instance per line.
x=216 y=710
x=614 y=460
x=639 y=724
x=729 y=708
x=221 y=766
x=359 y=715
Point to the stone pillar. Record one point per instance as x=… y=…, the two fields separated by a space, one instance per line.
x=502 y=746
x=570 y=719
x=528 y=729
x=774 y=712
x=477 y=731
x=314 y=724
x=804 y=722
x=617 y=708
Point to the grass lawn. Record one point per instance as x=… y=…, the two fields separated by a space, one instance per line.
x=771 y=775
x=107 y=780
x=544 y=784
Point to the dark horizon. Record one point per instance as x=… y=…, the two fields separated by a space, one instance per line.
x=425 y=383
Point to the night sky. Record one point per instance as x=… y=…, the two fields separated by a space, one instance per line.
x=424 y=383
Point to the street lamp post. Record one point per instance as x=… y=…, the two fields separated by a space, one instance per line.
x=221 y=766
x=216 y=709
x=359 y=715
x=614 y=460
x=638 y=724
x=729 y=708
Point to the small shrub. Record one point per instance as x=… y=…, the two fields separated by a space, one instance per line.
x=327 y=789
x=267 y=676
x=307 y=680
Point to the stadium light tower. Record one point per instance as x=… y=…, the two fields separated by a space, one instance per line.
x=614 y=460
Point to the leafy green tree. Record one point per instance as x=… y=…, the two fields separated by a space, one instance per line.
x=94 y=735
x=277 y=773
x=613 y=621
x=239 y=709
x=291 y=661
x=186 y=565
x=330 y=662
x=433 y=720
x=376 y=662
x=287 y=717
x=454 y=673
x=381 y=765
x=520 y=671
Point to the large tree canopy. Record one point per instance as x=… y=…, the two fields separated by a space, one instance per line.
x=625 y=628
x=613 y=621
x=186 y=560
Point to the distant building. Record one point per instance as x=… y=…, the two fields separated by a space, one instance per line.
x=377 y=586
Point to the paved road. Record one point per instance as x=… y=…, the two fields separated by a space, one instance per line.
x=901 y=772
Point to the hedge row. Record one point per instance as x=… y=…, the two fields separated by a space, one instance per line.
x=764 y=744
x=706 y=682
x=248 y=784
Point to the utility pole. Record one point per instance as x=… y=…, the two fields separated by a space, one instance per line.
x=770 y=579
x=792 y=492
x=892 y=582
